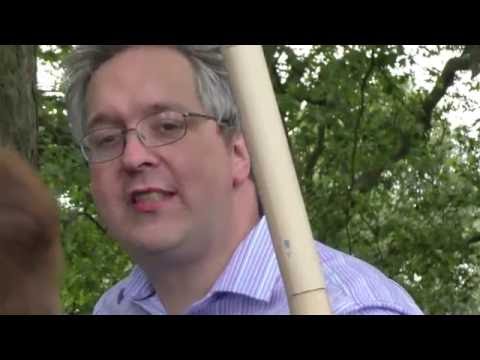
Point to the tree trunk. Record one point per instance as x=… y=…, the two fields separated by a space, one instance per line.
x=18 y=107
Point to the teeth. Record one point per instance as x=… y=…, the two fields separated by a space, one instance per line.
x=152 y=196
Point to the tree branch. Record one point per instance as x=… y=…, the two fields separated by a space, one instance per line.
x=469 y=60
x=317 y=151
x=361 y=112
x=445 y=80
x=473 y=240
x=92 y=219
x=89 y=217
x=374 y=231
x=358 y=121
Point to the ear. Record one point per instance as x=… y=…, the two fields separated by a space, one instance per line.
x=241 y=163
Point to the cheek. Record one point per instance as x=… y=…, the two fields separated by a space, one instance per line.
x=206 y=174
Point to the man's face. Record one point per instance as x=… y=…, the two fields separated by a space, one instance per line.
x=167 y=199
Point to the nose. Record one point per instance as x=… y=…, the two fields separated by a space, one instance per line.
x=136 y=155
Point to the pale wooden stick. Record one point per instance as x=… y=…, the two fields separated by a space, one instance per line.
x=276 y=180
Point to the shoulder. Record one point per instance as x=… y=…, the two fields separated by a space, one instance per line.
x=356 y=287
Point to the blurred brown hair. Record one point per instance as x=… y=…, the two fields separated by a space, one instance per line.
x=31 y=259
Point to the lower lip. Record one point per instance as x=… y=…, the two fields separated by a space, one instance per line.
x=152 y=206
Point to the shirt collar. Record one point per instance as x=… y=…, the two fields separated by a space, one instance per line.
x=252 y=271
x=139 y=287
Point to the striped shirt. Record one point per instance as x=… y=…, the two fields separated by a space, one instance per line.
x=251 y=284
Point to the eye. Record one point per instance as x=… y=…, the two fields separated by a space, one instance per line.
x=104 y=138
x=167 y=124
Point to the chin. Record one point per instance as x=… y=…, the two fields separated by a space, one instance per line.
x=149 y=243
x=153 y=234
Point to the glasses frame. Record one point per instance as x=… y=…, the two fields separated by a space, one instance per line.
x=124 y=132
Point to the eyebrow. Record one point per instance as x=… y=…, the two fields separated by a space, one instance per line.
x=101 y=118
x=158 y=107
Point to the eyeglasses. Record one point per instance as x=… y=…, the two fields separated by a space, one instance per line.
x=156 y=130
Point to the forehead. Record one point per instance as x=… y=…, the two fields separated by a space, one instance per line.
x=139 y=77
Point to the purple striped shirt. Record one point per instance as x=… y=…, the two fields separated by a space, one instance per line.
x=252 y=284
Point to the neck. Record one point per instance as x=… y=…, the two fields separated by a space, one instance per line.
x=179 y=282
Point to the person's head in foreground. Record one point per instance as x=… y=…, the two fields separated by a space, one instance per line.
x=31 y=260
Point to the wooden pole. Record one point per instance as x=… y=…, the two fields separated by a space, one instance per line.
x=277 y=182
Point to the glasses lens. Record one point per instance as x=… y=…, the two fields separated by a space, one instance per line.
x=103 y=145
x=157 y=130
x=162 y=129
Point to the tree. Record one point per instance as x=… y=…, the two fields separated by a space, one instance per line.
x=18 y=106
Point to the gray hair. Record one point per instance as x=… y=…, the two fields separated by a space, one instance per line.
x=212 y=83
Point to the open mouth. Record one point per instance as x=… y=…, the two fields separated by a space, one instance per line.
x=150 y=200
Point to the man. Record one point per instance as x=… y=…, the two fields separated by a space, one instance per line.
x=171 y=178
